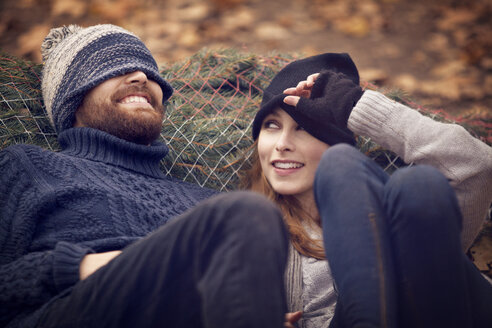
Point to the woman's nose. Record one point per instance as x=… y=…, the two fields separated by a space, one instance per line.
x=285 y=143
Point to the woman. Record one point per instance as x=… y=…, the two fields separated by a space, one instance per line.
x=393 y=244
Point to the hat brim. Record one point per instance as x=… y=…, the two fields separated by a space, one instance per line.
x=326 y=134
x=266 y=109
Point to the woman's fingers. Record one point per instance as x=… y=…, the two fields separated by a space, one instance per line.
x=291 y=318
x=311 y=79
x=292 y=100
x=290 y=91
x=303 y=88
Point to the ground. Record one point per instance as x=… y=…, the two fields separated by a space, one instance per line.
x=439 y=52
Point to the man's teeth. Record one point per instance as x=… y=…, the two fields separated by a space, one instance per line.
x=134 y=99
x=282 y=165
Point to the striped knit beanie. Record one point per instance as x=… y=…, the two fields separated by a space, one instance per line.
x=77 y=59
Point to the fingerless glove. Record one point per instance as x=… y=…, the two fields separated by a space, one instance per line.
x=332 y=99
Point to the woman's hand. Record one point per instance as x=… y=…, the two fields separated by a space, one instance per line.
x=291 y=318
x=92 y=262
x=303 y=89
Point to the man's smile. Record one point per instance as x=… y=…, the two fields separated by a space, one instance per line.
x=130 y=99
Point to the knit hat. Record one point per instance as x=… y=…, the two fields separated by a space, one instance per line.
x=78 y=59
x=290 y=76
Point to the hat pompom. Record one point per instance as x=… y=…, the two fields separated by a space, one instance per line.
x=54 y=37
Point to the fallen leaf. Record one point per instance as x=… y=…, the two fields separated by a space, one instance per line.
x=271 y=31
x=374 y=75
x=449 y=69
x=437 y=41
x=188 y=37
x=195 y=12
x=241 y=18
x=406 y=82
x=448 y=89
x=332 y=10
x=222 y=5
x=357 y=26
x=488 y=85
x=30 y=42
x=454 y=18
x=69 y=7
x=112 y=10
x=482 y=254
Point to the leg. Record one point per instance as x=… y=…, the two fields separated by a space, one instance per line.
x=349 y=188
x=219 y=265
x=480 y=291
x=435 y=278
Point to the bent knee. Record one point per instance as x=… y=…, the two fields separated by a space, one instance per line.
x=422 y=192
x=340 y=154
x=420 y=181
x=340 y=159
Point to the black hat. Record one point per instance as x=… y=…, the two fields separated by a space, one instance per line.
x=290 y=76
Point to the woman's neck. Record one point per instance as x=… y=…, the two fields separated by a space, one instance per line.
x=308 y=204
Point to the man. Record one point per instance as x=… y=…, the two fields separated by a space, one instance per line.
x=84 y=234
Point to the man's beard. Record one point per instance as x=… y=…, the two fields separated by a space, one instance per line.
x=135 y=126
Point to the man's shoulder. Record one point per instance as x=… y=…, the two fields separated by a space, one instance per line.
x=23 y=149
x=23 y=152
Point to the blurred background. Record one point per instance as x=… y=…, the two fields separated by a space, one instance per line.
x=439 y=52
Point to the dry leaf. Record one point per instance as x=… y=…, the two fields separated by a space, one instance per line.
x=271 y=31
x=406 y=82
x=30 y=42
x=240 y=19
x=373 y=75
x=437 y=41
x=455 y=18
x=332 y=11
x=222 y=5
x=482 y=254
x=112 y=10
x=449 y=69
x=195 y=12
x=188 y=37
x=70 y=7
x=488 y=85
x=357 y=26
x=448 y=89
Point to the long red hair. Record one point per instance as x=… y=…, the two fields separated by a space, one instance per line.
x=295 y=217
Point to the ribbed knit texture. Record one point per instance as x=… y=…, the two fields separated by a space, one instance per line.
x=100 y=193
x=464 y=160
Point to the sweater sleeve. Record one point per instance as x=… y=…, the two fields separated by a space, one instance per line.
x=28 y=279
x=463 y=159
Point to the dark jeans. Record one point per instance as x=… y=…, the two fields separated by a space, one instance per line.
x=394 y=248
x=220 y=264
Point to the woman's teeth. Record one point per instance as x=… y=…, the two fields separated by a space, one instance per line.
x=283 y=165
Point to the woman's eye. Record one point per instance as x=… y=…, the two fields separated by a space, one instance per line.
x=300 y=128
x=271 y=125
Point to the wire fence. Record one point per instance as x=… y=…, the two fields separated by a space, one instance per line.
x=209 y=116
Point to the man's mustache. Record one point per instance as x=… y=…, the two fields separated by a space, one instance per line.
x=131 y=89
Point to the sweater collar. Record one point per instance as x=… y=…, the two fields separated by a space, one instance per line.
x=99 y=146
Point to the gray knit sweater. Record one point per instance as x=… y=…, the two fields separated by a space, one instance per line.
x=463 y=159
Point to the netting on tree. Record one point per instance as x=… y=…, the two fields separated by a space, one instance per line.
x=209 y=116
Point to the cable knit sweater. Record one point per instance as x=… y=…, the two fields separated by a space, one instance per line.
x=464 y=160
x=98 y=194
